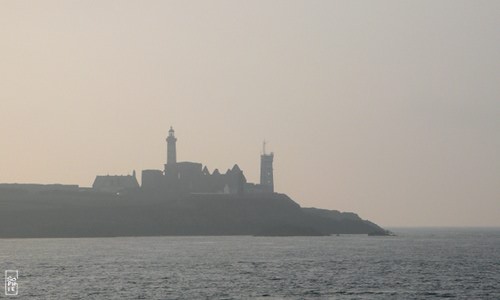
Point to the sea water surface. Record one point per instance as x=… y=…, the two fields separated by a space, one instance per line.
x=416 y=264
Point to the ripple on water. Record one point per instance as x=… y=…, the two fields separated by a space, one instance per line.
x=412 y=265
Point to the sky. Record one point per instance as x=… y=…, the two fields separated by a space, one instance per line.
x=390 y=109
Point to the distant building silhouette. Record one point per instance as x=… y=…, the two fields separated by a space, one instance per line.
x=192 y=177
x=115 y=183
x=189 y=177
x=266 y=170
x=152 y=179
x=170 y=166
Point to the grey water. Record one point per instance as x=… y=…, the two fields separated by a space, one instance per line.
x=431 y=263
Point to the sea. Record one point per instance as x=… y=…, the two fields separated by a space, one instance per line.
x=417 y=263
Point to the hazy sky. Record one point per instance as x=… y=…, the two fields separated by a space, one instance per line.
x=390 y=109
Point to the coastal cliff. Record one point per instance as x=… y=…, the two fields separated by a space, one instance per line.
x=136 y=213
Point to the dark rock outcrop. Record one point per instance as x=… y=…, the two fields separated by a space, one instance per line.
x=136 y=213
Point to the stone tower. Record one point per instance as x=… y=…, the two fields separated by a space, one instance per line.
x=171 y=151
x=266 y=170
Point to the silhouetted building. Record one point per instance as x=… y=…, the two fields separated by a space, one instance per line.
x=152 y=179
x=266 y=170
x=171 y=165
x=115 y=183
x=191 y=177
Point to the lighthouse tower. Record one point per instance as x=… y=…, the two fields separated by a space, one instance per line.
x=171 y=152
x=266 y=170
